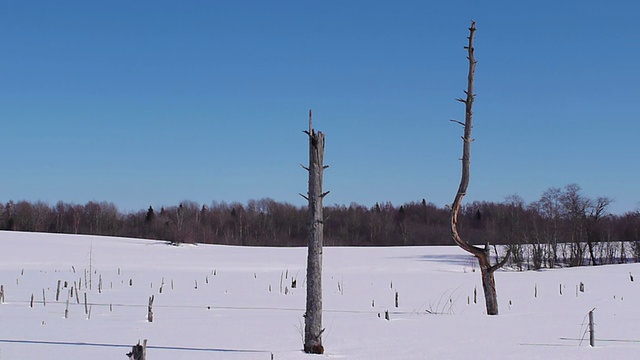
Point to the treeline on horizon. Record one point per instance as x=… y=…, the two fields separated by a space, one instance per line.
x=560 y=216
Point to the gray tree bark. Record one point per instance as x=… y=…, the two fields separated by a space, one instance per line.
x=313 y=316
x=482 y=254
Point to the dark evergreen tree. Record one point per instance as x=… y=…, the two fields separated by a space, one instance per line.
x=150 y=216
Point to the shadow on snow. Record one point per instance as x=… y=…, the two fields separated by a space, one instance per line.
x=181 y=348
x=462 y=259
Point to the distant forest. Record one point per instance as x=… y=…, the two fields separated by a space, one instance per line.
x=561 y=216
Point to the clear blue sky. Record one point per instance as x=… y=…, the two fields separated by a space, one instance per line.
x=153 y=102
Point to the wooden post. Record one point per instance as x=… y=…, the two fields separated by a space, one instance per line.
x=592 y=333
x=313 y=315
x=281 y=280
x=144 y=349
x=58 y=290
x=150 y=309
x=86 y=306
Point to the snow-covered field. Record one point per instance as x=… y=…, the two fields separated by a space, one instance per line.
x=222 y=302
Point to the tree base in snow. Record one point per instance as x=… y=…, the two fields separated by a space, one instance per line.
x=314 y=349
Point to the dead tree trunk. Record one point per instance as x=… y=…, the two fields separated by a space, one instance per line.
x=482 y=254
x=313 y=315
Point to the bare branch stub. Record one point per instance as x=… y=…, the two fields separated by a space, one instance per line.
x=502 y=262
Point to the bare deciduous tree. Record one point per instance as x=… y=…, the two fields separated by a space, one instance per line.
x=313 y=316
x=482 y=254
x=585 y=216
x=597 y=212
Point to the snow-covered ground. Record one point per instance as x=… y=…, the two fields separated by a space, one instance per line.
x=224 y=302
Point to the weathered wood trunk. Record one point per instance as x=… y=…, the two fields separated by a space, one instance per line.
x=150 y=309
x=482 y=254
x=488 y=283
x=592 y=331
x=313 y=315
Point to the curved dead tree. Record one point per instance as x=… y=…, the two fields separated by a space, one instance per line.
x=313 y=316
x=481 y=253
